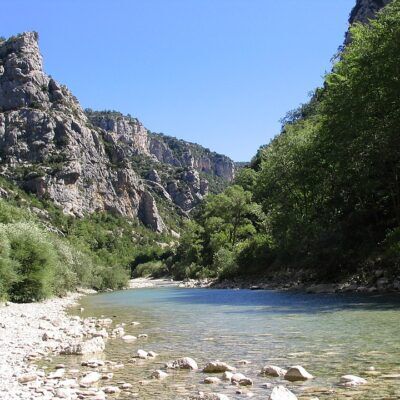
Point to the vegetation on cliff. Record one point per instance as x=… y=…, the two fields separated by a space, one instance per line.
x=324 y=195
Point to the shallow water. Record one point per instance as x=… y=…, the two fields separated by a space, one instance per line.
x=330 y=335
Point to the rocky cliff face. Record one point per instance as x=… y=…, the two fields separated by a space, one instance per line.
x=165 y=149
x=364 y=10
x=49 y=147
x=88 y=162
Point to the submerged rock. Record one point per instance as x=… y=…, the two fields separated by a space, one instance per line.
x=212 y=380
x=129 y=338
x=352 y=380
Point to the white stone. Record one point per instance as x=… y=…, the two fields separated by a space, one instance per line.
x=158 y=374
x=281 y=393
x=128 y=338
x=90 y=378
x=227 y=376
x=57 y=374
x=142 y=354
x=352 y=380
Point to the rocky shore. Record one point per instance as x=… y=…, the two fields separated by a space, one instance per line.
x=378 y=283
x=23 y=330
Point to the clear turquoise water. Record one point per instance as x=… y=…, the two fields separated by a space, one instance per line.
x=330 y=335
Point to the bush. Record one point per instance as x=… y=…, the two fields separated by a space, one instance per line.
x=8 y=275
x=114 y=277
x=154 y=269
x=224 y=263
x=33 y=259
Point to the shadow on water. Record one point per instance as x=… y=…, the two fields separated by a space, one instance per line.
x=271 y=301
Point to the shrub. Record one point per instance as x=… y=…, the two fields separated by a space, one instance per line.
x=155 y=269
x=224 y=263
x=33 y=259
x=8 y=275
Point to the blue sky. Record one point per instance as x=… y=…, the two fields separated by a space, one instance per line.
x=217 y=72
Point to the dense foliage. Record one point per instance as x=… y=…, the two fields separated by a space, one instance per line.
x=328 y=185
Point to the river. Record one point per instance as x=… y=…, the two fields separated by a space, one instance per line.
x=330 y=335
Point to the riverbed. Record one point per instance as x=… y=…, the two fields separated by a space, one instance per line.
x=330 y=335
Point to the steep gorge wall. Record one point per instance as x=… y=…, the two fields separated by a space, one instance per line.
x=87 y=161
x=49 y=147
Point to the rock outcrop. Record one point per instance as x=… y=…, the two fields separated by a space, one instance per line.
x=88 y=161
x=363 y=11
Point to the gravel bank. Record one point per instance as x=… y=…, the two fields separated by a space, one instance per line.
x=22 y=327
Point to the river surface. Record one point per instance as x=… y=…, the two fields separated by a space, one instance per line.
x=330 y=335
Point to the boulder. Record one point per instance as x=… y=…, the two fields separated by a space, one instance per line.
x=241 y=379
x=272 y=370
x=183 y=363
x=281 y=393
x=217 y=367
x=297 y=373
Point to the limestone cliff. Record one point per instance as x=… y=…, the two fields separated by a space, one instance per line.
x=86 y=161
x=49 y=147
x=165 y=149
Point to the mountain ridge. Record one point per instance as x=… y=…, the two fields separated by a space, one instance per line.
x=83 y=161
